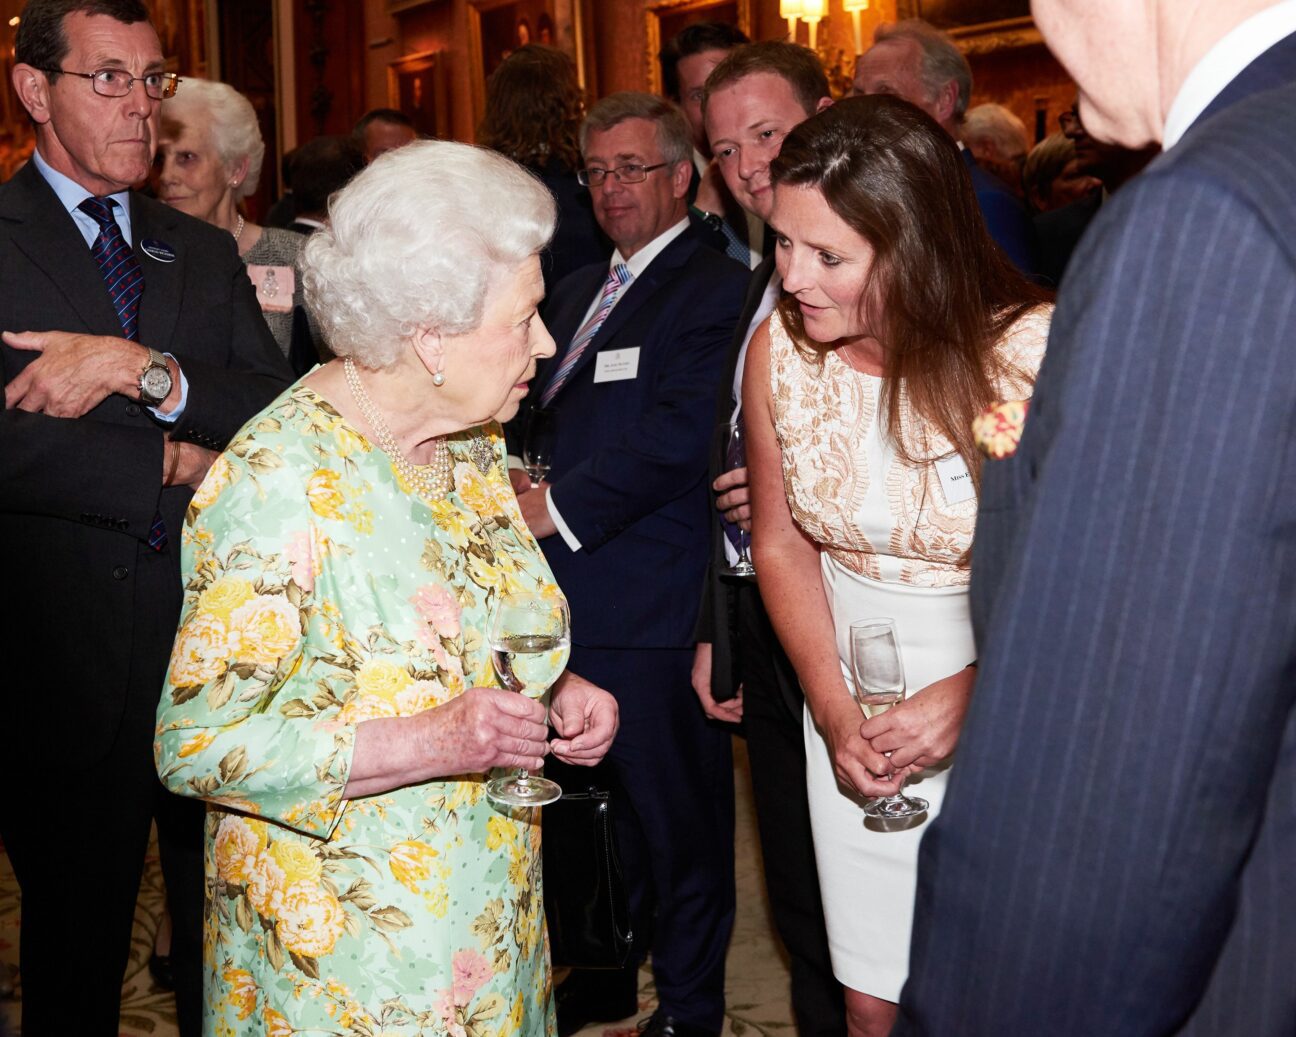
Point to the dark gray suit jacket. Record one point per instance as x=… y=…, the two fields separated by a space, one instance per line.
x=79 y=495
x=1116 y=850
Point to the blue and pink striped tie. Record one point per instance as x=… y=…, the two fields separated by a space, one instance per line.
x=617 y=279
x=125 y=282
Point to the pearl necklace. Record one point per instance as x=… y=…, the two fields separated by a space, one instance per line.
x=432 y=481
x=238 y=231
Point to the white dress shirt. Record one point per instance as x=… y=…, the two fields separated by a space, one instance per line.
x=1223 y=63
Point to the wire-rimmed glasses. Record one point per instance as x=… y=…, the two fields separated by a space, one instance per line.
x=117 y=82
x=630 y=173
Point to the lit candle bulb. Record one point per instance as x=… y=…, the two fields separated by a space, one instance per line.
x=811 y=12
x=791 y=10
x=855 y=7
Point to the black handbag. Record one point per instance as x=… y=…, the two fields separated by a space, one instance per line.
x=586 y=907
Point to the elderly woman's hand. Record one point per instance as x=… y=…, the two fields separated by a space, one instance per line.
x=586 y=718
x=470 y=734
x=485 y=728
x=923 y=729
x=857 y=765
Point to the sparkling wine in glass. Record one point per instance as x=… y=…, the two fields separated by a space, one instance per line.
x=736 y=457
x=530 y=640
x=880 y=684
x=538 y=444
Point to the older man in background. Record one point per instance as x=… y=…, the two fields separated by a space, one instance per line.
x=133 y=350
x=1115 y=852
x=921 y=64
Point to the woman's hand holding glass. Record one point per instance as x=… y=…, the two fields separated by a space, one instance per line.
x=924 y=729
x=857 y=765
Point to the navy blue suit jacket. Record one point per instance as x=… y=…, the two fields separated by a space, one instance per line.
x=1116 y=849
x=630 y=461
x=1005 y=217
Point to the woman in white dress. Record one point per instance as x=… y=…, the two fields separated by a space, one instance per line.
x=900 y=322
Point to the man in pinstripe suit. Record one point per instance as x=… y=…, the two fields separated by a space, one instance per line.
x=1116 y=850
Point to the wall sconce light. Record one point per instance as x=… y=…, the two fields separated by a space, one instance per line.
x=811 y=13
x=855 y=7
x=791 y=10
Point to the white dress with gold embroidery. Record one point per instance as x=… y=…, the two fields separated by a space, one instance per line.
x=891 y=536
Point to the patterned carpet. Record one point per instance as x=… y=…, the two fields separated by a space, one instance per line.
x=756 y=988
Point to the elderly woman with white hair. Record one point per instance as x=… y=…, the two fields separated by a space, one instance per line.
x=331 y=693
x=209 y=157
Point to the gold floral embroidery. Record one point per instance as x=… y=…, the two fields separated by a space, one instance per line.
x=839 y=472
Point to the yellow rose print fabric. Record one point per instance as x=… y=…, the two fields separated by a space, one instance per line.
x=320 y=592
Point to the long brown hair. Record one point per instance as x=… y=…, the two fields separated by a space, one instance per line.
x=943 y=292
x=534 y=108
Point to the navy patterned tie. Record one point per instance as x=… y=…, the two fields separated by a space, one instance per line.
x=125 y=282
x=117 y=263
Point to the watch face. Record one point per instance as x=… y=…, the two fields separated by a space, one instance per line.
x=156 y=383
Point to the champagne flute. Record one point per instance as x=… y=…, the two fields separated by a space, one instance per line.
x=530 y=640
x=880 y=684
x=538 y=444
x=736 y=457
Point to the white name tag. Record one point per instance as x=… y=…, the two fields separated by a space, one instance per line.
x=616 y=365
x=955 y=479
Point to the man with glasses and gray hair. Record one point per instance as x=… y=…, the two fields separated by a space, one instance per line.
x=133 y=349
x=624 y=524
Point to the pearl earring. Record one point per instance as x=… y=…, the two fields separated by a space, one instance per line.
x=438 y=379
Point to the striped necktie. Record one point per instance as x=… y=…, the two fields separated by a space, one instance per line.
x=617 y=279
x=125 y=282
x=117 y=263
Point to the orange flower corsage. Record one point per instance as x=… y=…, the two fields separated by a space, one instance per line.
x=998 y=430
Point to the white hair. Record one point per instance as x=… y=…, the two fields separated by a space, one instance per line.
x=414 y=241
x=998 y=128
x=231 y=120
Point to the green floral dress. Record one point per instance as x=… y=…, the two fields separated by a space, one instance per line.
x=320 y=592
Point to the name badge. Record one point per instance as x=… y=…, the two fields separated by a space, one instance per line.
x=158 y=250
x=616 y=365
x=274 y=287
x=955 y=479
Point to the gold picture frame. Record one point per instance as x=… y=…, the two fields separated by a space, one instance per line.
x=658 y=11
x=416 y=86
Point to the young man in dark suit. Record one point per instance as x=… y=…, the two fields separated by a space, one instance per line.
x=624 y=525
x=752 y=100
x=1115 y=852
x=133 y=350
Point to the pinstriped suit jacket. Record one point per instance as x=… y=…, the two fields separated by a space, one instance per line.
x=1117 y=851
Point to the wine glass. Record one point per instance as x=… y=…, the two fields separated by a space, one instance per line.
x=736 y=457
x=530 y=639
x=880 y=684
x=538 y=444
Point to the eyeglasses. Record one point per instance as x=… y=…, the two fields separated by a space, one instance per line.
x=633 y=173
x=117 y=82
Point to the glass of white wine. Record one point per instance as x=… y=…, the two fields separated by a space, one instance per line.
x=530 y=640
x=880 y=684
